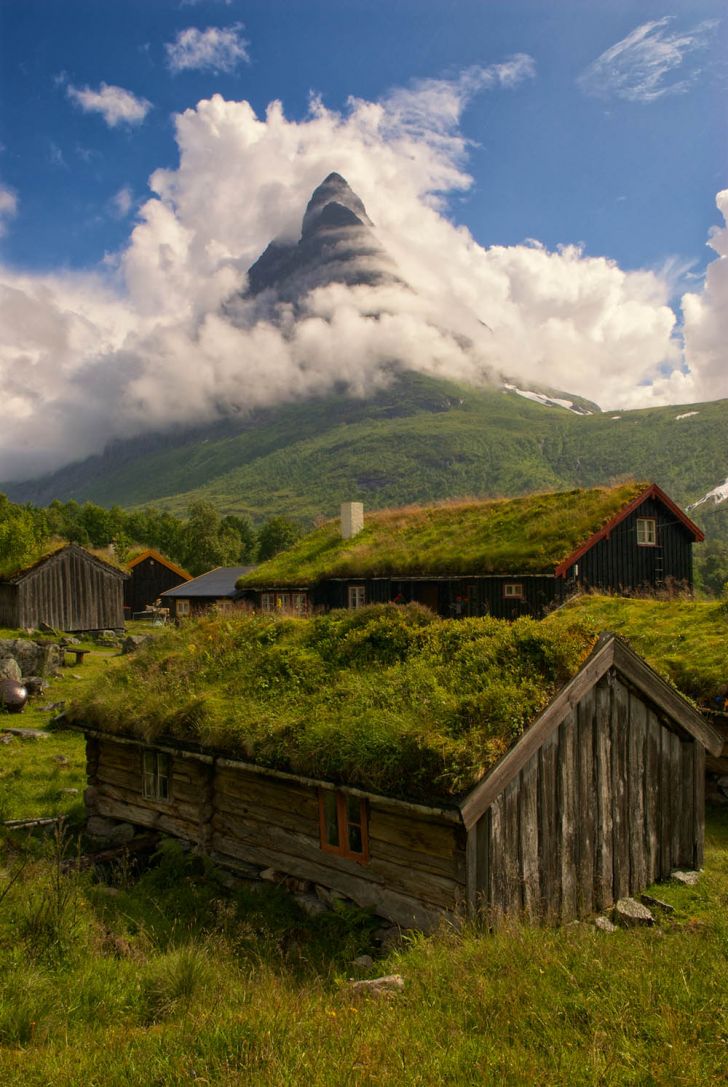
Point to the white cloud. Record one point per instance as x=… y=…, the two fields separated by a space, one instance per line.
x=217 y=48
x=706 y=318
x=121 y=202
x=8 y=207
x=115 y=104
x=650 y=62
x=83 y=360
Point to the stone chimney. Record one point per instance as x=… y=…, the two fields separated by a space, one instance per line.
x=352 y=519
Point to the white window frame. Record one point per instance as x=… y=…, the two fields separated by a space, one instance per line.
x=182 y=609
x=512 y=590
x=646 y=532
x=356 y=597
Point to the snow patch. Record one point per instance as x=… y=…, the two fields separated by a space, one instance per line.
x=548 y=401
x=687 y=414
x=717 y=495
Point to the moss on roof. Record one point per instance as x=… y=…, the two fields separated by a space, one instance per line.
x=107 y=555
x=387 y=698
x=685 y=640
x=526 y=535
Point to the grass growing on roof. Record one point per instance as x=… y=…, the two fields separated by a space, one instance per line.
x=388 y=698
x=531 y=534
x=684 y=640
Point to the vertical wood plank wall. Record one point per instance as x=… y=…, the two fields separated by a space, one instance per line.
x=70 y=592
x=610 y=803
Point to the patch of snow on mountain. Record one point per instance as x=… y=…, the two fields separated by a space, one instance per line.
x=687 y=414
x=718 y=495
x=548 y=401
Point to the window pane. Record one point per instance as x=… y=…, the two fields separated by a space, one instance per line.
x=355 y=845
x=330 y=818
x=353 y=809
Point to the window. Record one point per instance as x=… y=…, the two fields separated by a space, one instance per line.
x=646 y=532
x=343 y=822
x=512 y=590
x=297 y=603
x=155 y=775
x=183 y=607
x=357 y=596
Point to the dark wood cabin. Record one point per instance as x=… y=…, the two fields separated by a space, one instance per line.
x=645 y=546
x=600 y=797
x=150 y=575
x=70 y=589
x=216 y=588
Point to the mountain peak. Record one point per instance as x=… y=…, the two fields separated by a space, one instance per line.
x=334 y=189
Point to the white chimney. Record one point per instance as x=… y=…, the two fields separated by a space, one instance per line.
x=352 y=519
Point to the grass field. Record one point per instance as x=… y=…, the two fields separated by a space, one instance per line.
x=172 y=979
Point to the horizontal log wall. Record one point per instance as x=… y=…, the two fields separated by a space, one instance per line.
x=416 y=867
x=611 y=802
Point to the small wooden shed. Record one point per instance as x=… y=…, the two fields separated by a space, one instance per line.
x=69 y=589
x=216 y=588
x=150 y=575
x=602 y=795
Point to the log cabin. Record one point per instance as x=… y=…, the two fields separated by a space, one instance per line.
x=597 y=797
x=69 y=589
x=217 y=588
x=505 y=557
x=150 y=574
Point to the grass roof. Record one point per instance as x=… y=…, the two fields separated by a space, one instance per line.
x=10 y=570
x=685 y=640
x=387 y=698
x=530 y=534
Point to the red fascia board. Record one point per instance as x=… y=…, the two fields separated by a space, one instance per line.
x=652 y=491
x=150 y=553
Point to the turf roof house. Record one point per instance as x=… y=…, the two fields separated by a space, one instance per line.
x=150 y=574
x=216 y=588
x=602 y=795
x=69 y=589
x=505 y=557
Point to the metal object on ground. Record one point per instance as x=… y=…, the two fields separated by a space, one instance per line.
x=13 y=695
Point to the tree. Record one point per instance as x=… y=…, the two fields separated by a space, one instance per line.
x=276 y=534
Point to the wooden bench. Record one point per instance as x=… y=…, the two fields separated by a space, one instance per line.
x=78 y=656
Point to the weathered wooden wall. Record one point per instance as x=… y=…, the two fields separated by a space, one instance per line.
x=416 y=868
x=148 y=579
x=611 y=802
x=70 y=591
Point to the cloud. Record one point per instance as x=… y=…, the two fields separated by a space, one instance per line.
x=116 y=105
x=706 y=317
x=121 y=202
x=649 y=63
x=8 y=207
x=219 y=49
x=167 y=335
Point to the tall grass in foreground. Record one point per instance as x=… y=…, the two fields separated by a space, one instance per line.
x=172 y=980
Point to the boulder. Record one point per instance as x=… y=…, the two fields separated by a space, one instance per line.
x=604 y=924
x=10 y=669
x=108 y=830
x=688 y=879
x=656 y=904
x=34 y=685
x=33 y=658
x=390 y=983
x=310 y=904
x=132 y=642
x=630 y=913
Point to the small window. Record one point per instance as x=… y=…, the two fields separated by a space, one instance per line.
x=155 y=775
x=357 y=596
x=646 y=532
x=183 y=607
x=513 y=590
x=343 y=822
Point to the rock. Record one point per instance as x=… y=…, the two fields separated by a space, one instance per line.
x=390 y=983
x=270 y=875
x=108 y=638
x=388 y=937
x=364 y=961
x=329 y=896
x=688 y=879
x=45 y=628
x=604 y=924
x=70 y=640
x=310 y=904
x=28 y=733
x=6 y=737
x=51 y=707
x=297 y=886
x=132 y=642
x=34 y=685
x=10 y=669
x=109 y=830
x=656 y=903
x=33 y=658
x=68 y=792
x=630 y=913
x=62 y=760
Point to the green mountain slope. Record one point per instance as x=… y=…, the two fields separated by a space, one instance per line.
x=419 y=440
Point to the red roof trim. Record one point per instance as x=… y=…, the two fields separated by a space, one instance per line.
x=150 y=553
x=653 y=491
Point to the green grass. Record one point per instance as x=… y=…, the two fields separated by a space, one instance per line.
x=531 y=534
x=388 y=698
x=172 y=980
x=685 y=640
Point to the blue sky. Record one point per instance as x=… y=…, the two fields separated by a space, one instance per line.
x=549 y=176
x=633 y=179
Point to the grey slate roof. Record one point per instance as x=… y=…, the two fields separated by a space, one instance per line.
x=217 y=582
